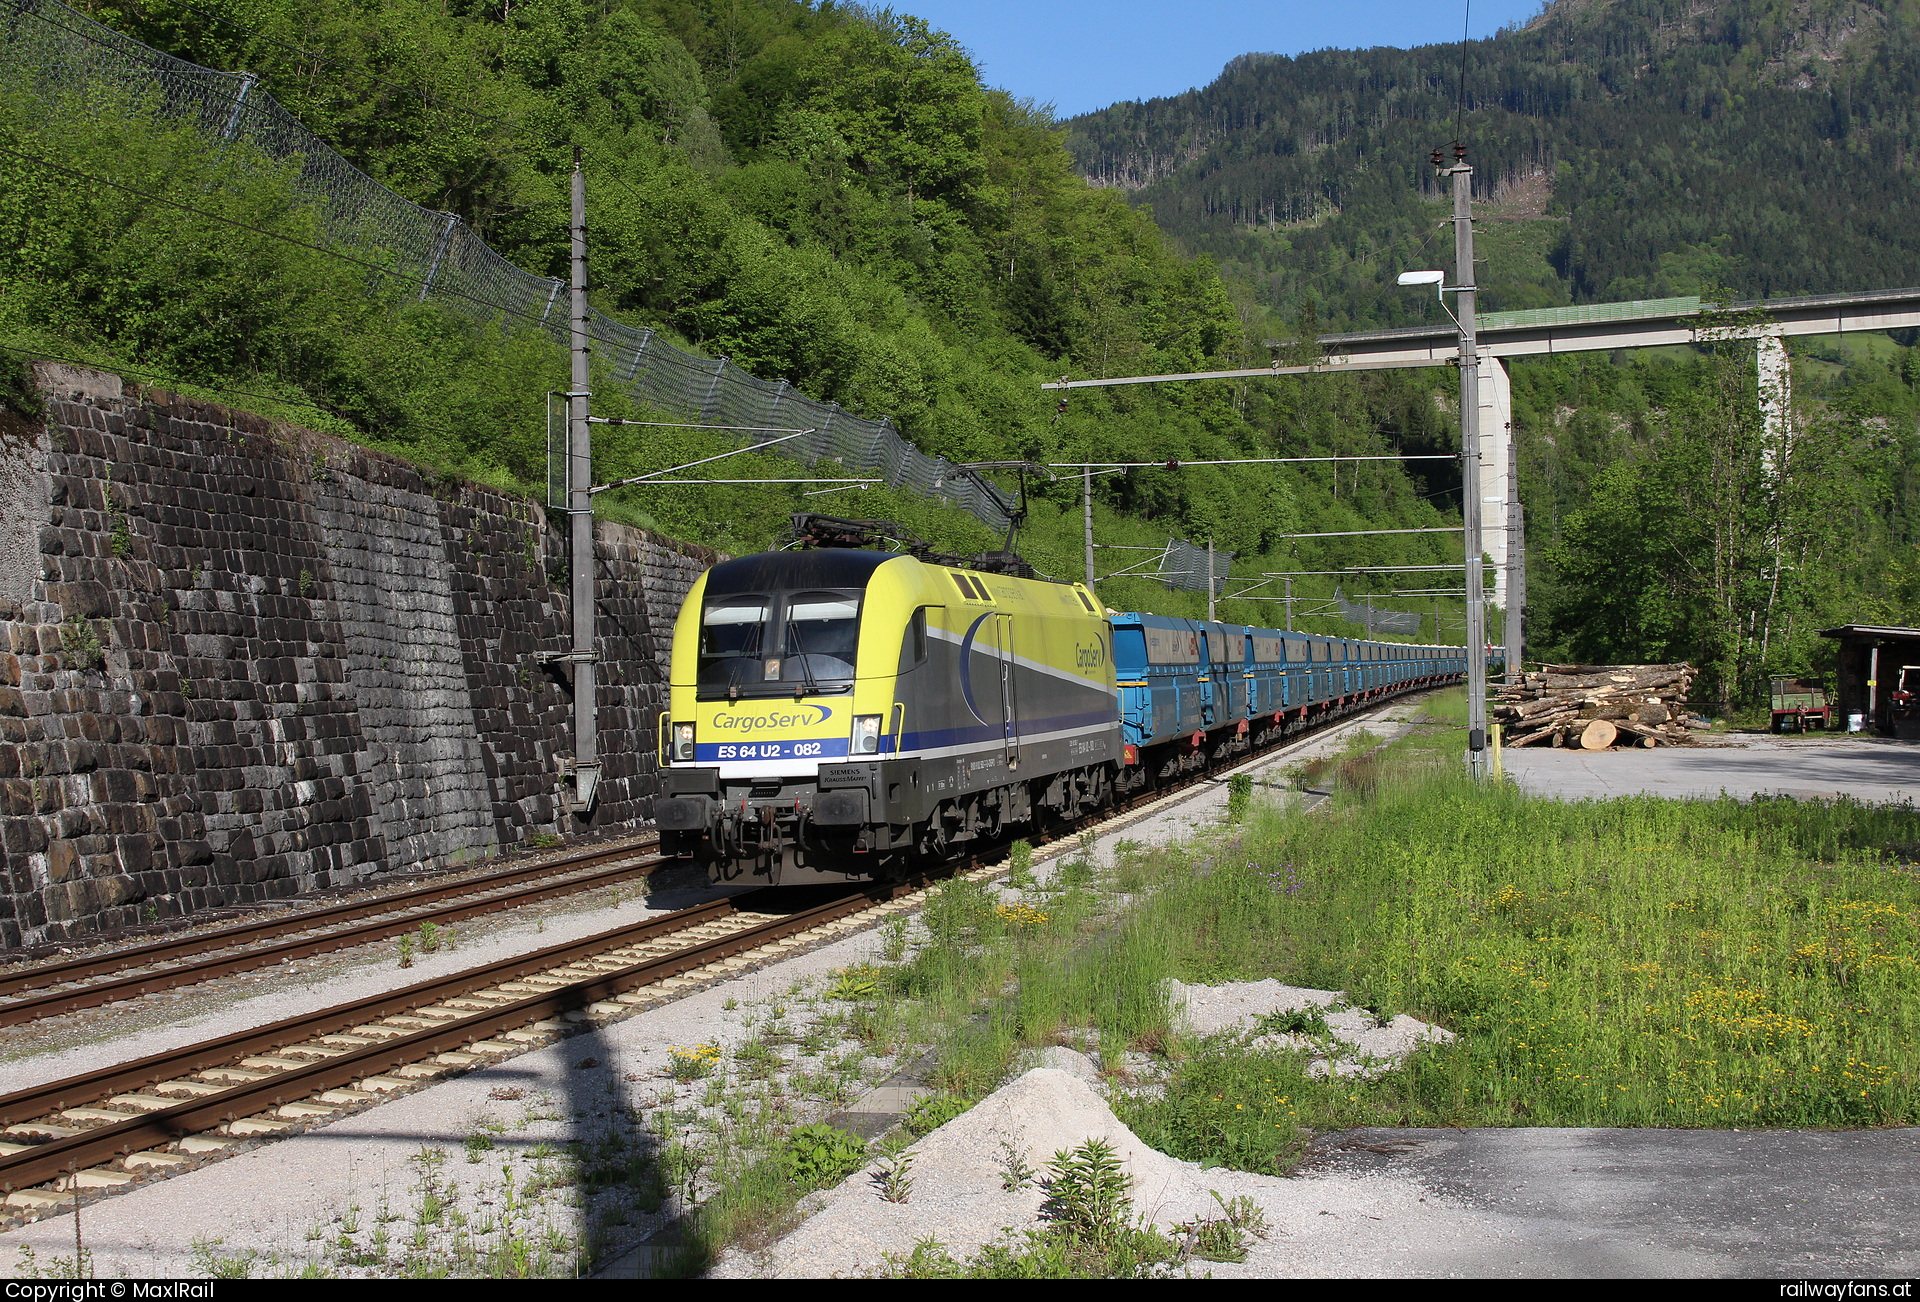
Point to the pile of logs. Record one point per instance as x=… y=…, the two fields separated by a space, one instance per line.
x=1596 y=707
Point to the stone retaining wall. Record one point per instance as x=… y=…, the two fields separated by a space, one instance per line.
x=240 y=660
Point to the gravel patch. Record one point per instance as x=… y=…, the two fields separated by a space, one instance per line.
x=1356 y=1043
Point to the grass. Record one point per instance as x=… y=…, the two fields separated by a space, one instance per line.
x=1628 y=962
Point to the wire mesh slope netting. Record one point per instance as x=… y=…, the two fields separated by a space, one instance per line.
x=1193 y=569
x=1401 y=623
x=50 y=51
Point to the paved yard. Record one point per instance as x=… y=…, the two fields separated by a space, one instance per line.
x=1613 y=1203
x=1867 y=769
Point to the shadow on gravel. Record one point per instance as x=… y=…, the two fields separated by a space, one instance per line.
x=625 y=1158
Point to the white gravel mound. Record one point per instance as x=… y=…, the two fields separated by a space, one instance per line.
x=1365 y=1046
x=959 y=1196
x=1071 y=1061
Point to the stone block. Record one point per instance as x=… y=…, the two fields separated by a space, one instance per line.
x=63 y=861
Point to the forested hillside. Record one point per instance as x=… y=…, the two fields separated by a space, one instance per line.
x=818 y=193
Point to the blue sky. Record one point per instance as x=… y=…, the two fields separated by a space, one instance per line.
x=1086 y=54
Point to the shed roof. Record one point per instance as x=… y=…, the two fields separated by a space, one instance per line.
x=1870 y=630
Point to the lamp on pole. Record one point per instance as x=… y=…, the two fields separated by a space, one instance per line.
x=1463 y=290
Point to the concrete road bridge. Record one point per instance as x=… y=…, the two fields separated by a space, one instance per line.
x=1588 y=328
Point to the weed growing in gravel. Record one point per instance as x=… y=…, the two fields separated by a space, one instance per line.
x=1020 y=866
x=893 y=1177
x=934 y=1111
x=1300 y=1021
x=1088 y=1193
x=819 y=1155
x=1226 y=1237
x=210 y=1263
x=1239 y=796
x=27 y=1265
x=861 y=981
x=692 y=1062
x=1014 y=1171
x=893 y=940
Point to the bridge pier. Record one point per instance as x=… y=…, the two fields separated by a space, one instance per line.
x=1496 y=462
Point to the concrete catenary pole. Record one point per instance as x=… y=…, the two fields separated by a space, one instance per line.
x=1476 y=639
x=1210 y=583
x=1086 y=488
x=584 y=654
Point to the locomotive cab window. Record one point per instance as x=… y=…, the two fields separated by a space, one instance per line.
x=913 y=647
x=778 y=643
x=732 y=629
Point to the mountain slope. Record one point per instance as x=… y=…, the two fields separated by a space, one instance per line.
x=1638 y=148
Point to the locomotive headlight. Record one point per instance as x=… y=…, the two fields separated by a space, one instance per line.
x=683 y=741
x=866 y=734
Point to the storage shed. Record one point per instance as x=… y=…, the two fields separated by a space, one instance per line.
x=1878 y=679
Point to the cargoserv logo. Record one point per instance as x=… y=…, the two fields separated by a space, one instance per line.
x=802 y=716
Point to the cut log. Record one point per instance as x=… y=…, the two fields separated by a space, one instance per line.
x=1614 y=683
x=1648 y=743
x=1532 y=709
x=1665 y=734
x=1651 y=712
x=1598 y=735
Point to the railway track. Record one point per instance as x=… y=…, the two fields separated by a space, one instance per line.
x=108 y=1128
x=104 y=1129
x=162 y=965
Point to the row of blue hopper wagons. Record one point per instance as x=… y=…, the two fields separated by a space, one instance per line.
x=843 y=713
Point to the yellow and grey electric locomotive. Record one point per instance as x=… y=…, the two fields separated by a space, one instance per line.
x=841 y=713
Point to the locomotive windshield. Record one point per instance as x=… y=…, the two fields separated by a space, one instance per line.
x=776 y=644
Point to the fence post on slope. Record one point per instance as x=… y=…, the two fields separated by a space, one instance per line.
x=247 y=82
x=439 y=252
